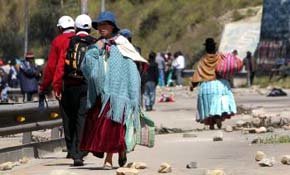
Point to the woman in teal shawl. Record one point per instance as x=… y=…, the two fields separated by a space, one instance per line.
x=113 y=92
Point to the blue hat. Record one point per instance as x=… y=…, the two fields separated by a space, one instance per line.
x=126 y=33
x=105 y=16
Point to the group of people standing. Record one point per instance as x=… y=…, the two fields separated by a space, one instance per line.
x=98 y=85
x=24 y=74
x=170 y=68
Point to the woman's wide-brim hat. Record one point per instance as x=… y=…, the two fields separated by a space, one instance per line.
x=209 y=41
x=105 y=16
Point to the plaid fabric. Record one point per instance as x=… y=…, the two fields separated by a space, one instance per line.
x=146 y=135
x=228 y=66
x=215 y=98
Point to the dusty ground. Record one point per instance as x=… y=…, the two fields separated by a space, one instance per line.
x=235 y=154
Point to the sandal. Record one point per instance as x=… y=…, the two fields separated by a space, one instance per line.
x=107 y=166
x=122 y=159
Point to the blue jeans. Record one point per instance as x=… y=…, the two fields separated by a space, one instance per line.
x=149 y=94
x=4 y=94
x=161 y=77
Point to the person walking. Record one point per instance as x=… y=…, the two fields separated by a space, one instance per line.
x=161 y=67
x=215 y=100
x=28 y=77
x=113 y=91
x=70 y=86
x=179 y=65
x=250 y=66
x=66 y=30
x=151 y=81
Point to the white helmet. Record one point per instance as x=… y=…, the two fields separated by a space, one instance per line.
x=65 y=22
x=83 y=22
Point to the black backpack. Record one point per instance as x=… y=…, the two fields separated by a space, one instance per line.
x=75 y=54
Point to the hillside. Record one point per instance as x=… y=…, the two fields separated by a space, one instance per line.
x=158 y=25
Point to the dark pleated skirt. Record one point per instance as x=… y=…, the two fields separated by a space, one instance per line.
x=101 y=134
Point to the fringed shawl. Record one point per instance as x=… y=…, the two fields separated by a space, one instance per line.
x=206 y=68
x=119 y=85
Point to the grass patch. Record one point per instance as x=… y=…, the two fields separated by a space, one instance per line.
x=272 y=139
x=264 y=81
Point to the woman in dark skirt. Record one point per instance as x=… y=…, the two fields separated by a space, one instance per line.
x=113 y=91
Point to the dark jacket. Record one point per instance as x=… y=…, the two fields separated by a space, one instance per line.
x=28 y=76
x=151 y=73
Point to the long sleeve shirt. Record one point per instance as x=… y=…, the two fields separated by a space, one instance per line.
x=58 y=44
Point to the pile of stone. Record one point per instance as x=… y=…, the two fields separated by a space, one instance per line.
x=263 y=161
x=260 y=121
x=134 y=167
x=10 y=165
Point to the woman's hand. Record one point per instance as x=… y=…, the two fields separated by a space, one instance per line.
x=100 y=44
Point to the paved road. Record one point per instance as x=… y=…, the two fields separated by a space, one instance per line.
x=235 y=154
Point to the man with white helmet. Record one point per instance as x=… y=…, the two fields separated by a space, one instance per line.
x=70 y=86
x=65 y=26
x=66 y=30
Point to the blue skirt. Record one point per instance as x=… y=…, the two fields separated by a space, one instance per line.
x=215 y=99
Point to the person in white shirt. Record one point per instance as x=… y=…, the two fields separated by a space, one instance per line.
x=179 y=65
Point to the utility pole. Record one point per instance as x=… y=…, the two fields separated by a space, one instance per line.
x=26 y=16
x=84 y=6
x=103 y=5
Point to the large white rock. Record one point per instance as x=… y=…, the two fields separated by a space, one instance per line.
x=286 y=159
x=7 y=166
x=165 y=168
x=260 y=155
x=267 y=162
x=215 y=172
x=127 y=171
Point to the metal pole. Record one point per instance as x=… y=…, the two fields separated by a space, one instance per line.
x=26 y=15
x=84 y=6
x=103 y=6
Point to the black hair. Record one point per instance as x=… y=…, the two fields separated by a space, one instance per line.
x=152 y=56
x=210 y=48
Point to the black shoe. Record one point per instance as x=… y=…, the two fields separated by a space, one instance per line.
x=78 y=162
x=99 y=155
x=122 y=159
x=69 y=156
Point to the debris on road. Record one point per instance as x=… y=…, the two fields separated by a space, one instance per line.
x=137 y=165
x=285 y=160
x=215 y=172
x=8 y=165
x=266 y=162
x=191 y=165
x=218 y=136
x=165 y=168
x=260 y=156
x=127 y=171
